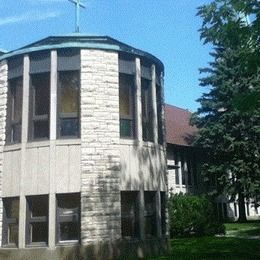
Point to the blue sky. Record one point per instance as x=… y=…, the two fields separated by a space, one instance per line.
x=166 y=28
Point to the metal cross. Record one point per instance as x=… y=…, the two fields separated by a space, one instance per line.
x=78 y=4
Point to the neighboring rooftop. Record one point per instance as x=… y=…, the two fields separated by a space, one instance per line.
x=178 y=129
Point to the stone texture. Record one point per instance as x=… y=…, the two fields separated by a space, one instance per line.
x=3 y=107
x=100 y=158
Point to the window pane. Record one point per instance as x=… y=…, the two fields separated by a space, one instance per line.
x=17 y=94
x=41 y=86
x=39 y=206
x=16 y=133
x=126 y=128
x=69 y=231
x=69 y=126
x=68 y=217
x=147 y=111
x=13 y=234
x=150 y=214
x=12 y=208
x=41 y=129
x=69 y=84
x=163 y=211
x=126 y=105
x=129 y=214
x=39 y=232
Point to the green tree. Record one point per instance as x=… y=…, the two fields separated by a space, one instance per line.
x=228 y=130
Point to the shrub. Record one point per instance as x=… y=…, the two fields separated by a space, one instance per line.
x=192 y=215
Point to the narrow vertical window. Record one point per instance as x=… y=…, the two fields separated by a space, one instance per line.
x=68 y=124
x=40 y=105
x=14 y=110
x=183 y=170
x=150 y=214
x=159 y=102
x=129 y=214
x=68 y=105
x=147 y=110
x=68 y=218
x=126 y=105
x=39 y=95
x=37 y=220
x=177 y=170
x=10 y=221
x=163 y=213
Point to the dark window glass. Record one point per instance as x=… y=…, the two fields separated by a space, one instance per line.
x=68 y=103
x=68 y=217
x=159 y=113
x=189 y=171
x=10 y=221
x=150 y=214
x=147 y=111
x=14 y=110
x=163 y=212
x=235 y=209
x=129 y=214
x=126 y=105
x=183 y=171
x=37 y=220
x=40 y=105
x=177 y=170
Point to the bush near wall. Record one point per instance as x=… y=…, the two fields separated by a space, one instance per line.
x=191 y=215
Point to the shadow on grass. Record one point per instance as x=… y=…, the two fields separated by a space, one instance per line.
x=214 y=248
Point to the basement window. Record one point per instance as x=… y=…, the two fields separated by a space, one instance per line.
x=129 y=214
x=10 y=222
x=150 y=214
x=37 y=220
x=68 y=218
x=126 y=105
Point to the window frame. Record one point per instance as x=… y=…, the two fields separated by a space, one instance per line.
x=68 y=218
x=151 y=214
x=33 y=219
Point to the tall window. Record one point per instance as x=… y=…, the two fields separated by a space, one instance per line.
x=37 y=220
x=150 y=214
x=147 y=110
x=39 y=95
x=129 y=214
x=163 y=212
x=126 y=105
x=68 y=104
x=10 y=221
x=159 y=111
x=68 y=217
x=14 y=110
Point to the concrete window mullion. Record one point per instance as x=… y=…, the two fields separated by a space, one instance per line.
x=138 y=101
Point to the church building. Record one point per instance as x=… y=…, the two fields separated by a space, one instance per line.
x=83 y=157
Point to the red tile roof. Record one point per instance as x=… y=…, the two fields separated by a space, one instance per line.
x=178 y=129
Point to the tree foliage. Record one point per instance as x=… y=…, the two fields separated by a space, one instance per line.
x=229 y=125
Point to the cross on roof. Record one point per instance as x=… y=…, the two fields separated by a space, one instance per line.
x=78 y=5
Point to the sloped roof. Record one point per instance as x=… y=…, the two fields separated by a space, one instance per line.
x=178 y=129
x=79 y=40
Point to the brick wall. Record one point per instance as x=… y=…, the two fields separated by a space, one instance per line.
x=3 y=101
x=100 y=160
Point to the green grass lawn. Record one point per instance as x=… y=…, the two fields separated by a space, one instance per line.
x=240 y=247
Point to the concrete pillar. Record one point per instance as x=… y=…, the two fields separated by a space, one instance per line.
x=25 y=119
x=138 y=101
x=53 y=134
x=154 y=105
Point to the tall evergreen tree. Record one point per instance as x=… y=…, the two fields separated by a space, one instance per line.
x=229 y=128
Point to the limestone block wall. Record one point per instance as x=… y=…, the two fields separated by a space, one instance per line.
x=100 y=156
x=3 y=107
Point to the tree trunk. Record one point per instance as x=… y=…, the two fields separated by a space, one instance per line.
x=241 y=208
